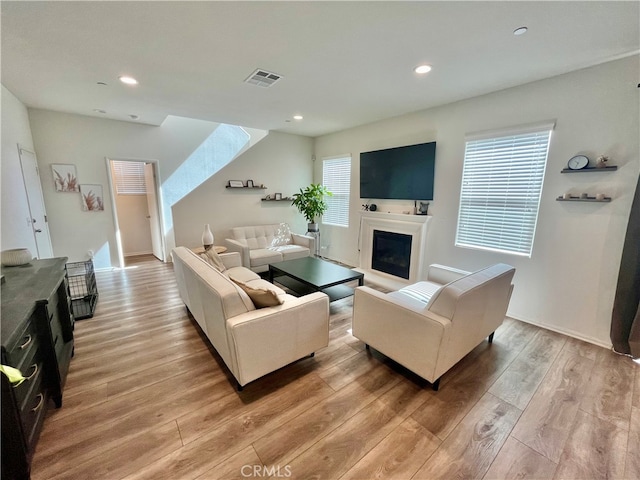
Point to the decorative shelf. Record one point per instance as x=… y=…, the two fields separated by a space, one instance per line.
x=578 y=199
x=610 y=168
x=285 y=199
x=246 y=188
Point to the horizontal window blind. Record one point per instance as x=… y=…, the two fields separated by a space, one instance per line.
x=336 y=176
x=501 y=188
x=129 y=177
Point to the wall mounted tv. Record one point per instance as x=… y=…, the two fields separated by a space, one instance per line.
x=401 y=173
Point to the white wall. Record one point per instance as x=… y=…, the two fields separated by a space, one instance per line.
x=16 y=231
x=281 y=162
x=569 y=283
x=85 y=142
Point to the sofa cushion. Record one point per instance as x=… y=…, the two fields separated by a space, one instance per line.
x=255 y=237
x=242 y=274
x=262 y=297
x=422 y=291
x=264 y=256
x=291 y=252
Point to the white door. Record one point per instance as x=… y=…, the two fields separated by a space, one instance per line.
x=154 y=214
x=36 y=203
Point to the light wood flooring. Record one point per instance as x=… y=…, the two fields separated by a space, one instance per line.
x=147 y=399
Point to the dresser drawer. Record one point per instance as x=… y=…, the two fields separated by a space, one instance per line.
x=30 y=369
x=34 y=407
x=25 y=342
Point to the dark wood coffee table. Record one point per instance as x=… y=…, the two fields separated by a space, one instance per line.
x=310 y=274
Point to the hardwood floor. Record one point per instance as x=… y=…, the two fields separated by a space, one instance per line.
x=146 y=398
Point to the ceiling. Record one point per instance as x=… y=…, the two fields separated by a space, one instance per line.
x=342 y=64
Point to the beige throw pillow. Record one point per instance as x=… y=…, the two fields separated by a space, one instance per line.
x=213 y=259
x=261 y=297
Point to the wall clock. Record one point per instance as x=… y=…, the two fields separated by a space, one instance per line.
x=578 y=162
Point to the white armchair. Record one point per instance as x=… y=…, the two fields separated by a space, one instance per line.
x=430 y=326
x=258 y=246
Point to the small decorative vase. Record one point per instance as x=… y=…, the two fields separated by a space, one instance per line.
x=207 y=237
x=16 y=257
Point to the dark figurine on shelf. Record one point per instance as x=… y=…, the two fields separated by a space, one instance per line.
x=365 y=207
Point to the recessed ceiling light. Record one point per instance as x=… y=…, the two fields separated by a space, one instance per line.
x=422 y=69
x=520 y=31
x=128 y=80
x=97 y=110
x=298 y=117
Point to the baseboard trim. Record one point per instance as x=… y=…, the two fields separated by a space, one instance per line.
x=564 y=331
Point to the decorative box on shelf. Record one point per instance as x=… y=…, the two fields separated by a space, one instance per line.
x=562 y=198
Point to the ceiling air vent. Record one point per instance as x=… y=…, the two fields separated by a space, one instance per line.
x=262 y=78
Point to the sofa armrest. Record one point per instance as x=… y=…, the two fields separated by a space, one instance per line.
x=268 y=338
x=304 y=241
x=231 y=259
x=235 y=246
x=442 y=274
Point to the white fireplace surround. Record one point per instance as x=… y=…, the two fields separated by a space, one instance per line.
x=414 y=225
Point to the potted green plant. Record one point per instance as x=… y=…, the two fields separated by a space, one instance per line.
x=310 y=202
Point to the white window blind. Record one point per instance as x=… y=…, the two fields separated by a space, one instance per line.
x=501 y=188
x=129 y=177
x=336 y=176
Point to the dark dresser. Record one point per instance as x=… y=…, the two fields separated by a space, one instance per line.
x=37 y=338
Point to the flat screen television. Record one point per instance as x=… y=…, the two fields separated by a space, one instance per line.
x=401 y=173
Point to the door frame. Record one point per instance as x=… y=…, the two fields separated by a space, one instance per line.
x=114 y=207
x=36 y=196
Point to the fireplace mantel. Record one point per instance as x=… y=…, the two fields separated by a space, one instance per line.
x=414 y=225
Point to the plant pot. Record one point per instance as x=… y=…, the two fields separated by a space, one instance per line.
x=313 y=227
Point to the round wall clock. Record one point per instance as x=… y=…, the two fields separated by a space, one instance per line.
x=578 y=162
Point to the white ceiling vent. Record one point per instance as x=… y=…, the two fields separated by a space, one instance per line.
x=262 y=78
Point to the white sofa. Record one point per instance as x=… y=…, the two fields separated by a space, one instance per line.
x=430 y=326
x=252 y=342
x=259 y=246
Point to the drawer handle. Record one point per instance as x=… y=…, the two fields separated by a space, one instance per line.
x=40 y=403
x=26 y=379
x=28 y=340
x=35 y=370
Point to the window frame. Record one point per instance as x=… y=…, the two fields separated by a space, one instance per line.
x=501 y=189
x=339 y=197
x=128 y=177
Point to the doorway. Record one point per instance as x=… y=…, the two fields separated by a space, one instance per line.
x=135 y=193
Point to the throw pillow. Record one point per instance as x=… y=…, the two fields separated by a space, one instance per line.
x=213 y=259
x=261 y=297
x=282 y=236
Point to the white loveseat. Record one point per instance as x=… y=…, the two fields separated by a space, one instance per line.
x=430 y=326
x=261 y=245
x=252 y=342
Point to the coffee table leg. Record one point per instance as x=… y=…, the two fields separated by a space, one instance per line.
x=270 y=274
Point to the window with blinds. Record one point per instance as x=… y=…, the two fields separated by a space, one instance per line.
x=129 y=177
x=501 y=188
x=336 y=176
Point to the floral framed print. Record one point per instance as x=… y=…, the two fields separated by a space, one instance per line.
x=92 y=199
x=65 y=178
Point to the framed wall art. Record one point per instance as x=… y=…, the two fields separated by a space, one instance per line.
x=65 y=178
x=92 y=199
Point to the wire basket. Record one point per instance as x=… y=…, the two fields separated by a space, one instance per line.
x=82 y=288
